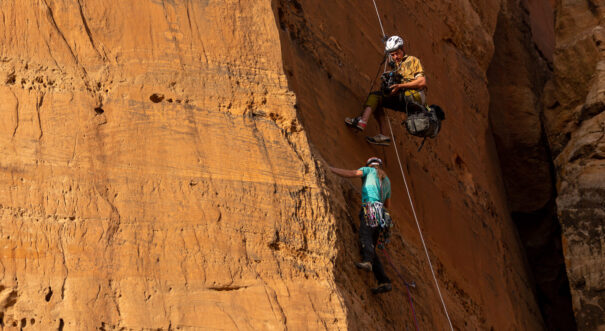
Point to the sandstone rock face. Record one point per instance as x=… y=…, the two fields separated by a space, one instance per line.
x=332 y=50
x=516 y=78
x=163 y=167
x=154 y=173
x=521 y=65
x=575 y=124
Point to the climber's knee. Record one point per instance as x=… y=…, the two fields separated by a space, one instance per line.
x=374 y=100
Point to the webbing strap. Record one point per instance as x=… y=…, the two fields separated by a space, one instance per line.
x=422 y=144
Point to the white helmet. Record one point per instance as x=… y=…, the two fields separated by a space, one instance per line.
x=393 y=43
x=373 y=160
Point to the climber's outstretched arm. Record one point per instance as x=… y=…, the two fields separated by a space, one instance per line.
x=347 y=173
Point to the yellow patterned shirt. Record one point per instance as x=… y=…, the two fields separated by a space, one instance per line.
x=410 y=68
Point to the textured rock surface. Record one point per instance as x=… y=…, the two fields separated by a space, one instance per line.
x=154 y=174
x=159 y=173
x=575 y=124
x=331 y=53
x=516 y=108
x=521 y=65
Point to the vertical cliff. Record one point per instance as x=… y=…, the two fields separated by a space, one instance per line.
x=521 y=65
x=574 y=114
x=154 y=174
x=332 y=51
x=163 y=167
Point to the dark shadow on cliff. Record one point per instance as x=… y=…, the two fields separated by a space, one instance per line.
x=525 y=158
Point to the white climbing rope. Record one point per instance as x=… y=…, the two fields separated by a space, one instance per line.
x=426 y=251
x=379 y=20
x=382 y=29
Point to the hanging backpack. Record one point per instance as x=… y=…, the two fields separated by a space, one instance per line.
x=423 y=121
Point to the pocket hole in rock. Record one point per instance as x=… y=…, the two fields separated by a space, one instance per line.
x=49 y=294
x=156 y=98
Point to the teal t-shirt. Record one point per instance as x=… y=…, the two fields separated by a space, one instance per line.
x=370 y=188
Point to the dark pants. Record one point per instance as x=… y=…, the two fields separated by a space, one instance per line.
x=399 y=102
x=367 y=238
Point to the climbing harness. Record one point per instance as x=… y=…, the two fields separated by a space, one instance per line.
x=372 y=213
x=375 y=215
x=426 y=251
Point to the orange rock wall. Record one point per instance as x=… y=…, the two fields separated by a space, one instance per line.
x=331 y=54
x=164 y=168
x=154 y=174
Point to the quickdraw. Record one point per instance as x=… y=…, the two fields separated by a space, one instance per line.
x=384 y=237
x=372 y=212
x=376 y=215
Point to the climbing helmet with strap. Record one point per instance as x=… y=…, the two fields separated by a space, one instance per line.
x=393 y=43
x=373 y=160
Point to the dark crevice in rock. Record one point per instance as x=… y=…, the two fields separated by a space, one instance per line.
x=49 y=294
x=527 y=163
x=540 y=233
x=227 y=288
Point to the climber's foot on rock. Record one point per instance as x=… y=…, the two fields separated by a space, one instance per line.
x=355 y=123
x=367 y=266
x=382 y=288
x=379 y=139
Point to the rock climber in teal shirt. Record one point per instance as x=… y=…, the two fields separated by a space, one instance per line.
x=375 y=222
x=371 y=187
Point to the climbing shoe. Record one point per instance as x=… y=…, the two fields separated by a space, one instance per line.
x=355 y=123
x=379 y=139
x=382 y=288
x=367 y=266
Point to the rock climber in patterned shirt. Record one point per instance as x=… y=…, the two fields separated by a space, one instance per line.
x=375 y=222
x=413 y=85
